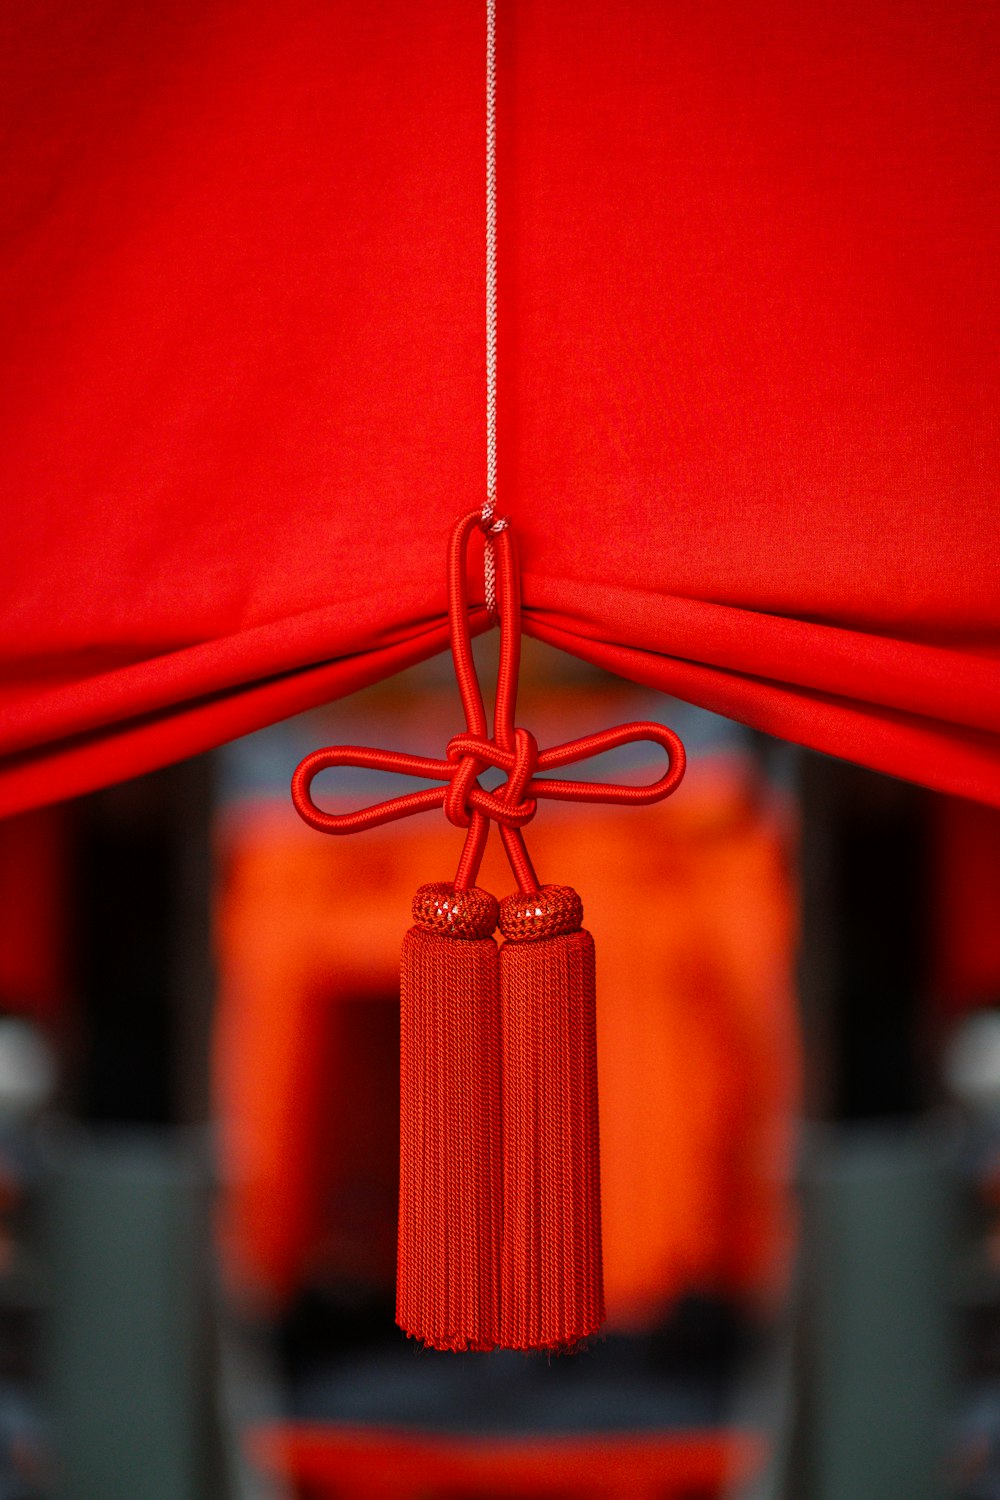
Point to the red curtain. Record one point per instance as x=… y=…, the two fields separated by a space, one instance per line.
x=748 y=362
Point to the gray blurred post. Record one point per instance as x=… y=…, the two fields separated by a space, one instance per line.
x=127 y=1233
x=874 y=1347
x=876 y=1350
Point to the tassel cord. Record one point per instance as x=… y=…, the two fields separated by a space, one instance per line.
x=505 y=735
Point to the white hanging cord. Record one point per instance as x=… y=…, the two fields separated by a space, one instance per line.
x=491 y=262
x=489 y=525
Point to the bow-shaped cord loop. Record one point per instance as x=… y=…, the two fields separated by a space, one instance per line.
x=510 y=749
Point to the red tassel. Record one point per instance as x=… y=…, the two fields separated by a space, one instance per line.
x=450 y=1197
x=552 y=1285
x=447 y=1283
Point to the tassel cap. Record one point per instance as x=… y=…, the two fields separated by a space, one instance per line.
x=551 y=911
x=442 y=907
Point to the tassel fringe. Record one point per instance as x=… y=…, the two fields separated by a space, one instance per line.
x=552 y=1286
x=447 y=1285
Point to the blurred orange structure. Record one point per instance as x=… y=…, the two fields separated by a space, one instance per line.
x=694 y=926
x=693 y=916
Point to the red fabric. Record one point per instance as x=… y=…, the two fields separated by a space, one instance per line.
x=747 y=362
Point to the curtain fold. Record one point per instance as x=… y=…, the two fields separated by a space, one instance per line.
x=747 y=344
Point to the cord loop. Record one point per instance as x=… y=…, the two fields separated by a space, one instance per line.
x=511 y=749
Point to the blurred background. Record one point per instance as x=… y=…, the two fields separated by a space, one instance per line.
x=799 y=1053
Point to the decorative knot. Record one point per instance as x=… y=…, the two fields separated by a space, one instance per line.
x=472 y=754
x=512 y=750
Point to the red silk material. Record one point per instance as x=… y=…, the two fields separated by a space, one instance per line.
x=748 y=377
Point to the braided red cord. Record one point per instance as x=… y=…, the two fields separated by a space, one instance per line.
x=513 y=750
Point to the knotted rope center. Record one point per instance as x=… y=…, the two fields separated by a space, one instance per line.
x=507 y=805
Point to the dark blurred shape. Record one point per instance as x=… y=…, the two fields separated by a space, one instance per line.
x=142 y=874
x=128 y=1339
x=966 y=949
x=34 y=914
x=874 y=1332
x=867 y=939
